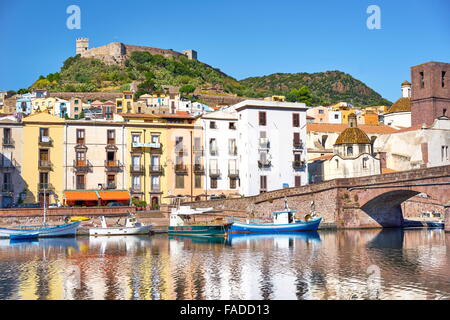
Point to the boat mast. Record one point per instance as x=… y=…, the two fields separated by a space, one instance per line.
x=45 y=208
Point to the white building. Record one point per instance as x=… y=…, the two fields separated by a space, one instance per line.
x=221 y=153
x=271 y=140
x=416 y=147
x=399 y=114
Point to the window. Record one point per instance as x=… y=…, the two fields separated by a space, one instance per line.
x=233 y=183
x=297 y=141
x=76 y=101
x=213 y=183
x=136 y=182
x=80 y=136
x=43 y=179
x=6 y=135
x=296 y=120
x=262 y=118
x=136 y=138
x=178 y=144
x=349 y=151
x=364 y=163
x=443 y=79
x=81 y=158
x=155 y=183
x=179 y=181
x=232 y=147
x=320 y=111
x=422 y=80
x=213 y=147
x=212 y=125
x=81 y=182
x=444 y=153
x=155 y=138
x=298 y=181
x=336 y=116
x=198 y=181
x=155 y=163
x=297 y=157
x=136 y=162
x=44 y=134
x=337 y=163
x=263 y=183
x=111 y=181
x=7 y=182
x=111 y=137
x=232 y=126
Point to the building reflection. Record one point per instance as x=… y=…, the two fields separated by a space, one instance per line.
x=412 y=264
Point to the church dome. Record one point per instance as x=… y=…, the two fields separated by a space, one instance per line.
x=401 y=105
x=352 y=135
x=406 y=83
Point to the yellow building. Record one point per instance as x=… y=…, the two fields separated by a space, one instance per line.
x=161 y=160
x=42 y=170
x=125 y=104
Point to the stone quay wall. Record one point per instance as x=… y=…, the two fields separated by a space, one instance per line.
x=9 y=217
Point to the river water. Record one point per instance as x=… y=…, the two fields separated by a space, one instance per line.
x=350 y=264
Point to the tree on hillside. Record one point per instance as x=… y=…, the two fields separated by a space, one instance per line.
x=187 y=89
x=300 y=95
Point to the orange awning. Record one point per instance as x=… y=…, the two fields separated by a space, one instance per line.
x=83 y=195
x=118 y=195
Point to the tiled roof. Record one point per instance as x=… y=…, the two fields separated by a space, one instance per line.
x=352 y=135
x=325 y=157
x=401 y=105
x=332 y=127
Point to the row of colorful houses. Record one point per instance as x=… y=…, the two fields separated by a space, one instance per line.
x=152 y=157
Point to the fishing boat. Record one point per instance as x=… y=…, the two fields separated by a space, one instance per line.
x=132 y=227
x=182 y=222
x=41 y=231
x=282 y=221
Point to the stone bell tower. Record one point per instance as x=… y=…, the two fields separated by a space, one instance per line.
x=82 y=45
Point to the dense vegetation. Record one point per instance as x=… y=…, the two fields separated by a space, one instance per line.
x=150 y=72
x=326 y=87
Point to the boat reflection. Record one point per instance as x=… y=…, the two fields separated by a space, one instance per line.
x=69 y=242
x=277 y=238
x=198 y=239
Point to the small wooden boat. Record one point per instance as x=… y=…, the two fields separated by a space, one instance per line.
x=131 y=227
x=180 y=223
x=73 y=219
x=24 y=236
x=282 y=221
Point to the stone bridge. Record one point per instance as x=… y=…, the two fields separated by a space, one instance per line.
x=363 y=202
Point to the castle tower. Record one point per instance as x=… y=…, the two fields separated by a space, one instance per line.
x=82 y=45
x=190 y=54
x=430 y=95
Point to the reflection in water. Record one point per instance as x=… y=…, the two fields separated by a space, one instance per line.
x=413 y=264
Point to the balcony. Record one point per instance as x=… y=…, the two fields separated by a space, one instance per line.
x=233 y=173
x=136 y=189
x=298 y=144
x=7 y=164
x=180 y=168
x=80 y=187
x=198 y=150
x=8 y=142
x=199 y=169
x=232 y=152
x=113 y=166
x=45 y=165
x=82 y=165
x=7 y=187
x=137 y=168
x=214 y=172
x=45 y=141
x=264 y=164
x=156 y=169
x=298 y=164
x=47 y=187
x=180 y=150
x=214 y=152
x=111 y=145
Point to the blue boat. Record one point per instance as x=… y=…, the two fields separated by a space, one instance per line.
x=24 y=236
x=283 y=221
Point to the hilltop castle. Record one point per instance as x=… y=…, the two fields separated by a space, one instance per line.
x=117 y=52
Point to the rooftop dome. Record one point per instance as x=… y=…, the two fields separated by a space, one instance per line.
x=352 y=135
x=406 y=83
x=401 y=105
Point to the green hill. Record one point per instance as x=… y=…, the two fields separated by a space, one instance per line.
x=326 y=87
x=150 y=72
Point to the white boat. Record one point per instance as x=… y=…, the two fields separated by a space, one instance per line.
x=132 y=226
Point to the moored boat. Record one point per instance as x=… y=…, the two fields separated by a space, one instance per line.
x=131 y=227
x=180 y=222
x=282 y=221
x=42 y=231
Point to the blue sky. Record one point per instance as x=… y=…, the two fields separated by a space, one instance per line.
x=242 y=38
